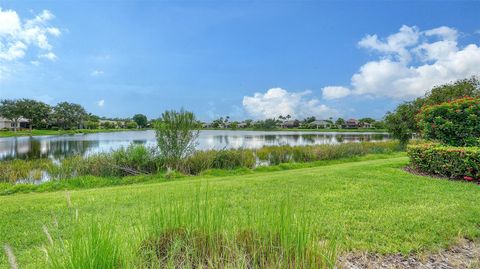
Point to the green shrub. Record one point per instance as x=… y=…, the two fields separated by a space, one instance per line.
x=218 y=159
x=231 y=159
x=198 y=162
x=11 y=171
x=454 y=123
x=136 y=159
x=448 y=161
x=284 y=154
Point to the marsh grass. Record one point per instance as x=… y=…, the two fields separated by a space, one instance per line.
x=137 y=163
x=11 y=171
x=196 y=233
x=301 y=154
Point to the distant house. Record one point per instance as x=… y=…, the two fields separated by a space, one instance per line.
x=367 y=125
x=290 y=124
x=206 y=125
x=8 y=124
x=320 y=124
x=352 y=123
x=5 y=124
x=242 y=125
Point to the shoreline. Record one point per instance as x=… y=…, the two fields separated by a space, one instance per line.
x=23 y=133
x=7 y=134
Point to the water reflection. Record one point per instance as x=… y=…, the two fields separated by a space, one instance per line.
x=57 y=147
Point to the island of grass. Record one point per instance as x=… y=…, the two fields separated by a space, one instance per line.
x=305 y=218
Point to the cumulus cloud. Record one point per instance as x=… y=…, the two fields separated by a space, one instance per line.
x=410 y=63
x=101 y=103
x=96 y=73
x=277 y=101
x=334 y=92
x=50 y=56
x=17 y=36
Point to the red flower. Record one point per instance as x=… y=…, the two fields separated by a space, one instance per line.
x=467 y=178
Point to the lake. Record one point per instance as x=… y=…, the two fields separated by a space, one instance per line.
x=57 y=147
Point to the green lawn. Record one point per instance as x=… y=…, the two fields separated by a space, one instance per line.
x=58 y=132
x=370 y=205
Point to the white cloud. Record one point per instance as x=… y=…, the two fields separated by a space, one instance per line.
x=96 y=73
x=395 y=45
x=277 y=101
x=334 y=92
x=101 y=103
x=411 y=63
x=50 y=56
x=17 y=38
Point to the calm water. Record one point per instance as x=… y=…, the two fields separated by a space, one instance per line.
x=65 y=145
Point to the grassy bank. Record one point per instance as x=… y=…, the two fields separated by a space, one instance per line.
x=289 y=218
x=90 y=181
x=141 y=160
x=59 y=132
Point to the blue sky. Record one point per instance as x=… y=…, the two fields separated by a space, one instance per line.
x=245 y=59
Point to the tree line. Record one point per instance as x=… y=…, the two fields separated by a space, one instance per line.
x=64 y=115
x=401 y=122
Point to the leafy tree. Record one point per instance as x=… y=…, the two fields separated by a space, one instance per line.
x=131 y=125
x=141 y=120
x=309 y=120
x=443 y=93
x=176 y=133
x=453 y=123
x=451 y=91
x=69 y=115
x=267 y=124
x=379 y=124
x=234 y=125
x=108 y=125
x=10 y=110
x=37 y=113
x=367 y=120
x=91 y=124
x=398 y=123
x=339 y=122
x=248 y=123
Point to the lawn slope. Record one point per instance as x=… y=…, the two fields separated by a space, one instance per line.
x=370 y=205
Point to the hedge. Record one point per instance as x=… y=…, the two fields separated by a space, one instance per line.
x=447 y=161
x=454 y=123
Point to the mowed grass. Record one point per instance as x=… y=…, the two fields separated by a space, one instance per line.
x=369 y=205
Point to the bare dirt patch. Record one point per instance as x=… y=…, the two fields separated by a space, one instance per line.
x=414 y=171
x=464 y=255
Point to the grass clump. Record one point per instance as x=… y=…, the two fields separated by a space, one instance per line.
x=92 y=246
x=300 y=154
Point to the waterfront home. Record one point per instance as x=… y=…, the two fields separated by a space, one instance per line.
x=352 y=123
x=9 y=124
x=367 y=125
x=242 y=125
x=290 y=124
x=320 y=124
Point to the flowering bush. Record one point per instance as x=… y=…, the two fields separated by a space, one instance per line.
x=455 y=123
x=448 y=161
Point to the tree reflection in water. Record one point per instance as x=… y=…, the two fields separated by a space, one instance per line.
x=58 y=147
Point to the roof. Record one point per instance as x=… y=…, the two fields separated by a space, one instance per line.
x=352 y=121
x=319 y=122
x=289 y=122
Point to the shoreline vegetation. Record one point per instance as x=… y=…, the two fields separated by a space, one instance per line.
x=35 y=132
x=138 y=163
x=216 y=218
